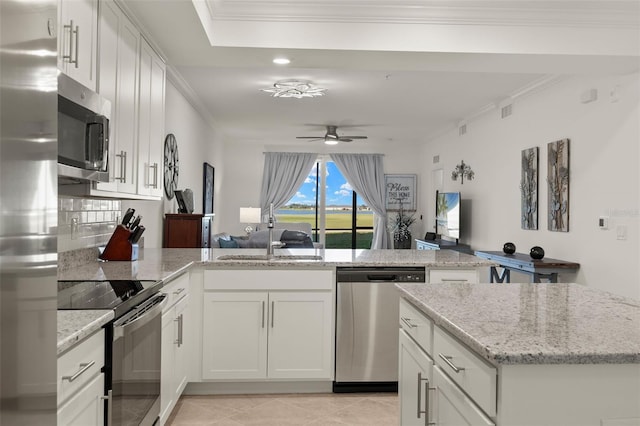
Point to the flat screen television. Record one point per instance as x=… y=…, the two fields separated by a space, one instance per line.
x=448 y=214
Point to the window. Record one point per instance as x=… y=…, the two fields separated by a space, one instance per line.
x=338 y=216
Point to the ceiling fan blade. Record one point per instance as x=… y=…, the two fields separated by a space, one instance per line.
x=307 y=137
x=354 y=137
x=342 y=139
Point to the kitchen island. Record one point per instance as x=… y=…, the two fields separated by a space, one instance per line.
x=516 y=354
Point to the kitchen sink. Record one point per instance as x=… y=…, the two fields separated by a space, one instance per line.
x=266 y=258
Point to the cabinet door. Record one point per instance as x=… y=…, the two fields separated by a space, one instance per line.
x=234 y=340
x=151 y=122
x=167 y=400
x=300 y=343
x=415 y=387
x=453 y=407
x=119 y=40
x=78 y=40
x=182 y=347
x=86 y=407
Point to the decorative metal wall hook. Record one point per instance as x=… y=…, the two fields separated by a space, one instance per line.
x=463 y=171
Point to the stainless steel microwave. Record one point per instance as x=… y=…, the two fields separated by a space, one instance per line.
x=83 y=132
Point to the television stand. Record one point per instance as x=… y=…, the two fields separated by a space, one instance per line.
x=439 y=244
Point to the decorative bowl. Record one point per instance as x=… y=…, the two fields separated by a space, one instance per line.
x=536 y=252
x=509 y=248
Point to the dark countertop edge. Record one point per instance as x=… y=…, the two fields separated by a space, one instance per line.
x=502 y=358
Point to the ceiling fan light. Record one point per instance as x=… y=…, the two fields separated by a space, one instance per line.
x=281 y=61
x=329 y=141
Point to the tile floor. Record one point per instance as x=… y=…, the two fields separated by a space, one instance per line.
x=375 y=409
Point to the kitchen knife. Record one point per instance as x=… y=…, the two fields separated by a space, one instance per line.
x=135 y=236
x=135 y=223
x=127 y=216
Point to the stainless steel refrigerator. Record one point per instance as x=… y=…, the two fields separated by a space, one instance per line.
x=28 y=212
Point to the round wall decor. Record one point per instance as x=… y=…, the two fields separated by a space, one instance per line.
x=171 y=165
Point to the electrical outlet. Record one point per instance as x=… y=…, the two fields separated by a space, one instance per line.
x=603 y=222
x=621 y=232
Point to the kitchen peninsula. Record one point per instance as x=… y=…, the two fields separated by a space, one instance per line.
x=521 y=354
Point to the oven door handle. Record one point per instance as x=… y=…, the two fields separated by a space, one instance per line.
x=137 y=319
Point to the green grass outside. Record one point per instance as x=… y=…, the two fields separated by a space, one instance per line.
x=337 y=239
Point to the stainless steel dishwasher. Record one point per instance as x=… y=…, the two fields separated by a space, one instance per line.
x=367 y=326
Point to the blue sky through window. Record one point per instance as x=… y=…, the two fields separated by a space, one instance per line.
x=338 y=190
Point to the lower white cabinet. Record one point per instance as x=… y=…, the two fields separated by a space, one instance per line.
x=415 y=383
x=270 y=329
x=452 y=406
x=80 y=387
x=176 y=320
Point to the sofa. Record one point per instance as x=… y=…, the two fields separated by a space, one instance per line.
x=292 y=235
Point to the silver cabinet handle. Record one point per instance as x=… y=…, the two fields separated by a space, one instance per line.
x=83 y=367
x=448 y=359
x=75 y=61
x=407 y=321
x=109 y=399
x=273 y=308
x=155 y=176
x=453 y=280
x=70 y=55
x=123 y=166
x=426 y=399
x=178 y=291
x=179 y=320
x=263 y=314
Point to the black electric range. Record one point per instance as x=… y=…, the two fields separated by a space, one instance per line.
x=119 y=295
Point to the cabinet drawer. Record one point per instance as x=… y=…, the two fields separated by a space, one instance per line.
x=261 y=279
x=475 y=376
x=416 y=325
x=175 y=290
x=79 y=365
x=453 y=275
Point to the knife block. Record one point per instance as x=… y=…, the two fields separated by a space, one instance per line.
x=119 y=247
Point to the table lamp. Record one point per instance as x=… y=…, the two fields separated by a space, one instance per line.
x=250 y=215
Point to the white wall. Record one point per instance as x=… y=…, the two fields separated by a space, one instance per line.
x=243 y=175
x=198 y=142
x=604 y=177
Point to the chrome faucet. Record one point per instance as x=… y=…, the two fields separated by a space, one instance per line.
x=271 y=244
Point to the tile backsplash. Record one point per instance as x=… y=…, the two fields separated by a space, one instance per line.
x=86 y=222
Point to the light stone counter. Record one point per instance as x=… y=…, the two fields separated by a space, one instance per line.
x=534 y=323
x=73 y=326
x=166 y=264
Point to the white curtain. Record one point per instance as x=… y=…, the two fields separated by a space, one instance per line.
x=283 y=174
x=365 y=174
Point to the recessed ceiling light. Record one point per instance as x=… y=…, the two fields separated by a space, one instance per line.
x=281 y=61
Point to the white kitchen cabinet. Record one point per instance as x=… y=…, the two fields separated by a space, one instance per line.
x=151 y=122
x=454 y=407
x=118 y=82
x=80 y=383
x=457 y=275
x=274 y=324
x=78 y=40
x=176 y=320
x=415 y=383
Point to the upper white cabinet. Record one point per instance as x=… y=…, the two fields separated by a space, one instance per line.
x=118 y=82
x=151 y=121
x=78 y=40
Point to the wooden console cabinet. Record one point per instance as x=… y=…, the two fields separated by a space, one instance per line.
x=187 y=230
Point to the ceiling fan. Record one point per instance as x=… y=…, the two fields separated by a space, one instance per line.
x=331 y=137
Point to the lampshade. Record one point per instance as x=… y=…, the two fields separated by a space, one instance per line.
x=250 y=215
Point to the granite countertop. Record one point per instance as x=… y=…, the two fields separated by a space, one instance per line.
x=166 y=264
x=74 y=326
x=534 y=323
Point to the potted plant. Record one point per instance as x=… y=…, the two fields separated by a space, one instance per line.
x=400 y=227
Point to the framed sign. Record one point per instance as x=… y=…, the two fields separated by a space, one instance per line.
x=400 y=191
x=207 y=189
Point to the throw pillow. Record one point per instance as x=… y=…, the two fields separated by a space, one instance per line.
x=228 y=243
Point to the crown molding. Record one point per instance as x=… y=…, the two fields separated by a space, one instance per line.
x=565 y=13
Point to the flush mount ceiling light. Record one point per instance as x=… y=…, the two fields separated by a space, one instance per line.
x=295 y=89
x=281 y=61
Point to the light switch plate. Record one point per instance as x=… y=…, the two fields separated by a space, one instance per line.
x=603 y=222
